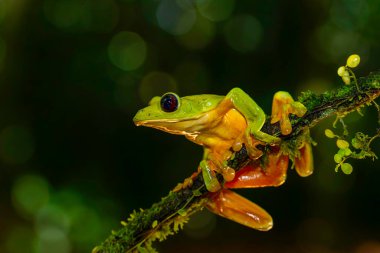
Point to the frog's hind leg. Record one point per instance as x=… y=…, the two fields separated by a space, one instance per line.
x=232 y=206
x=255 y=175
x=304 y=163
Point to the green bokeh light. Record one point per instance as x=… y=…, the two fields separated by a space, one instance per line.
x=156 y=84
x=82 y=221
x=127 y=50
x=175 y=17
x=29 y=194
x=73 y=15
x=16 y=144
x=215 y=10
x=334 y=44
x=199 y=36
x=349 y=14
x=243 y=33
x=52 y=239
x=52 y=216
x=86 y=226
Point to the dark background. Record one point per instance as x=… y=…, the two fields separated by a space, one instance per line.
x=74 y=72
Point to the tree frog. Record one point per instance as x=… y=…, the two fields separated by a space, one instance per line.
x=222 y=124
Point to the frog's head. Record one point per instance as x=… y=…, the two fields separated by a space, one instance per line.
x=173 y=114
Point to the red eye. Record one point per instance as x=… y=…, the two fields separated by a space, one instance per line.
x=169 y=102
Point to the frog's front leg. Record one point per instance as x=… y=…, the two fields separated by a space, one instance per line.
x=255 y=118
x=232 y=206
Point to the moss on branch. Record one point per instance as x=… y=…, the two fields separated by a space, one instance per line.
x=168 y=216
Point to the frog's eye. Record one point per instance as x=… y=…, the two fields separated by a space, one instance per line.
x=169 y=102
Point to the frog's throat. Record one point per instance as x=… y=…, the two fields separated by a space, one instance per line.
x=171 y=126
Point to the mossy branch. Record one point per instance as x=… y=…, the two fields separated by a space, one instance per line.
x=168 y=216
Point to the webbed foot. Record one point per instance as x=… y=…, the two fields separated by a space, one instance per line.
x=254 y=174
x=232 y=206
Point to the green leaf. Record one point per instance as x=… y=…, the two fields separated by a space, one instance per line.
x=346 y=168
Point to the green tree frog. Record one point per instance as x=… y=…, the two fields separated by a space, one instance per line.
x=222 y=124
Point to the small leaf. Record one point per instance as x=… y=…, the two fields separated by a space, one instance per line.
x=341 y=70
x=346 y=168
x=356 y=143
x=338 y=158
x=342 y=152
x=347 y=151
x=329 y=133
x=342 y=144
x=353 y=61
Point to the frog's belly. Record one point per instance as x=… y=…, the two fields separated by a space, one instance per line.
x=224 y=132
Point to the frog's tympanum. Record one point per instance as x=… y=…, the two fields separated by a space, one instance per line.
x=222 y=125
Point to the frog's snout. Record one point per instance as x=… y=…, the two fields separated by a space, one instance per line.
x=137 y=117
x=142 y=116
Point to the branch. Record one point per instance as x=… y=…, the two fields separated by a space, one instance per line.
x=168 y=216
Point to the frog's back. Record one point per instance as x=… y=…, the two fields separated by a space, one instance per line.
x=202 y=103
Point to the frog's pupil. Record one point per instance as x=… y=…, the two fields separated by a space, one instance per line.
x=169 y=103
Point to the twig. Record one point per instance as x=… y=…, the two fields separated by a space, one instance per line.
x=167 y=216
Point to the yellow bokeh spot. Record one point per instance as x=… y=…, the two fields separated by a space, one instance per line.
x=199 y=36
x=215 y=10
x=29 y=194
x=127 y=50
x=156 y=84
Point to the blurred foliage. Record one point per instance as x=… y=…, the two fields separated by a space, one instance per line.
x=74 y=72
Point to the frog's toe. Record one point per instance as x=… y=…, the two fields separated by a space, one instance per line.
x=284 y=105
x=304 y=163
x=228 y=174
